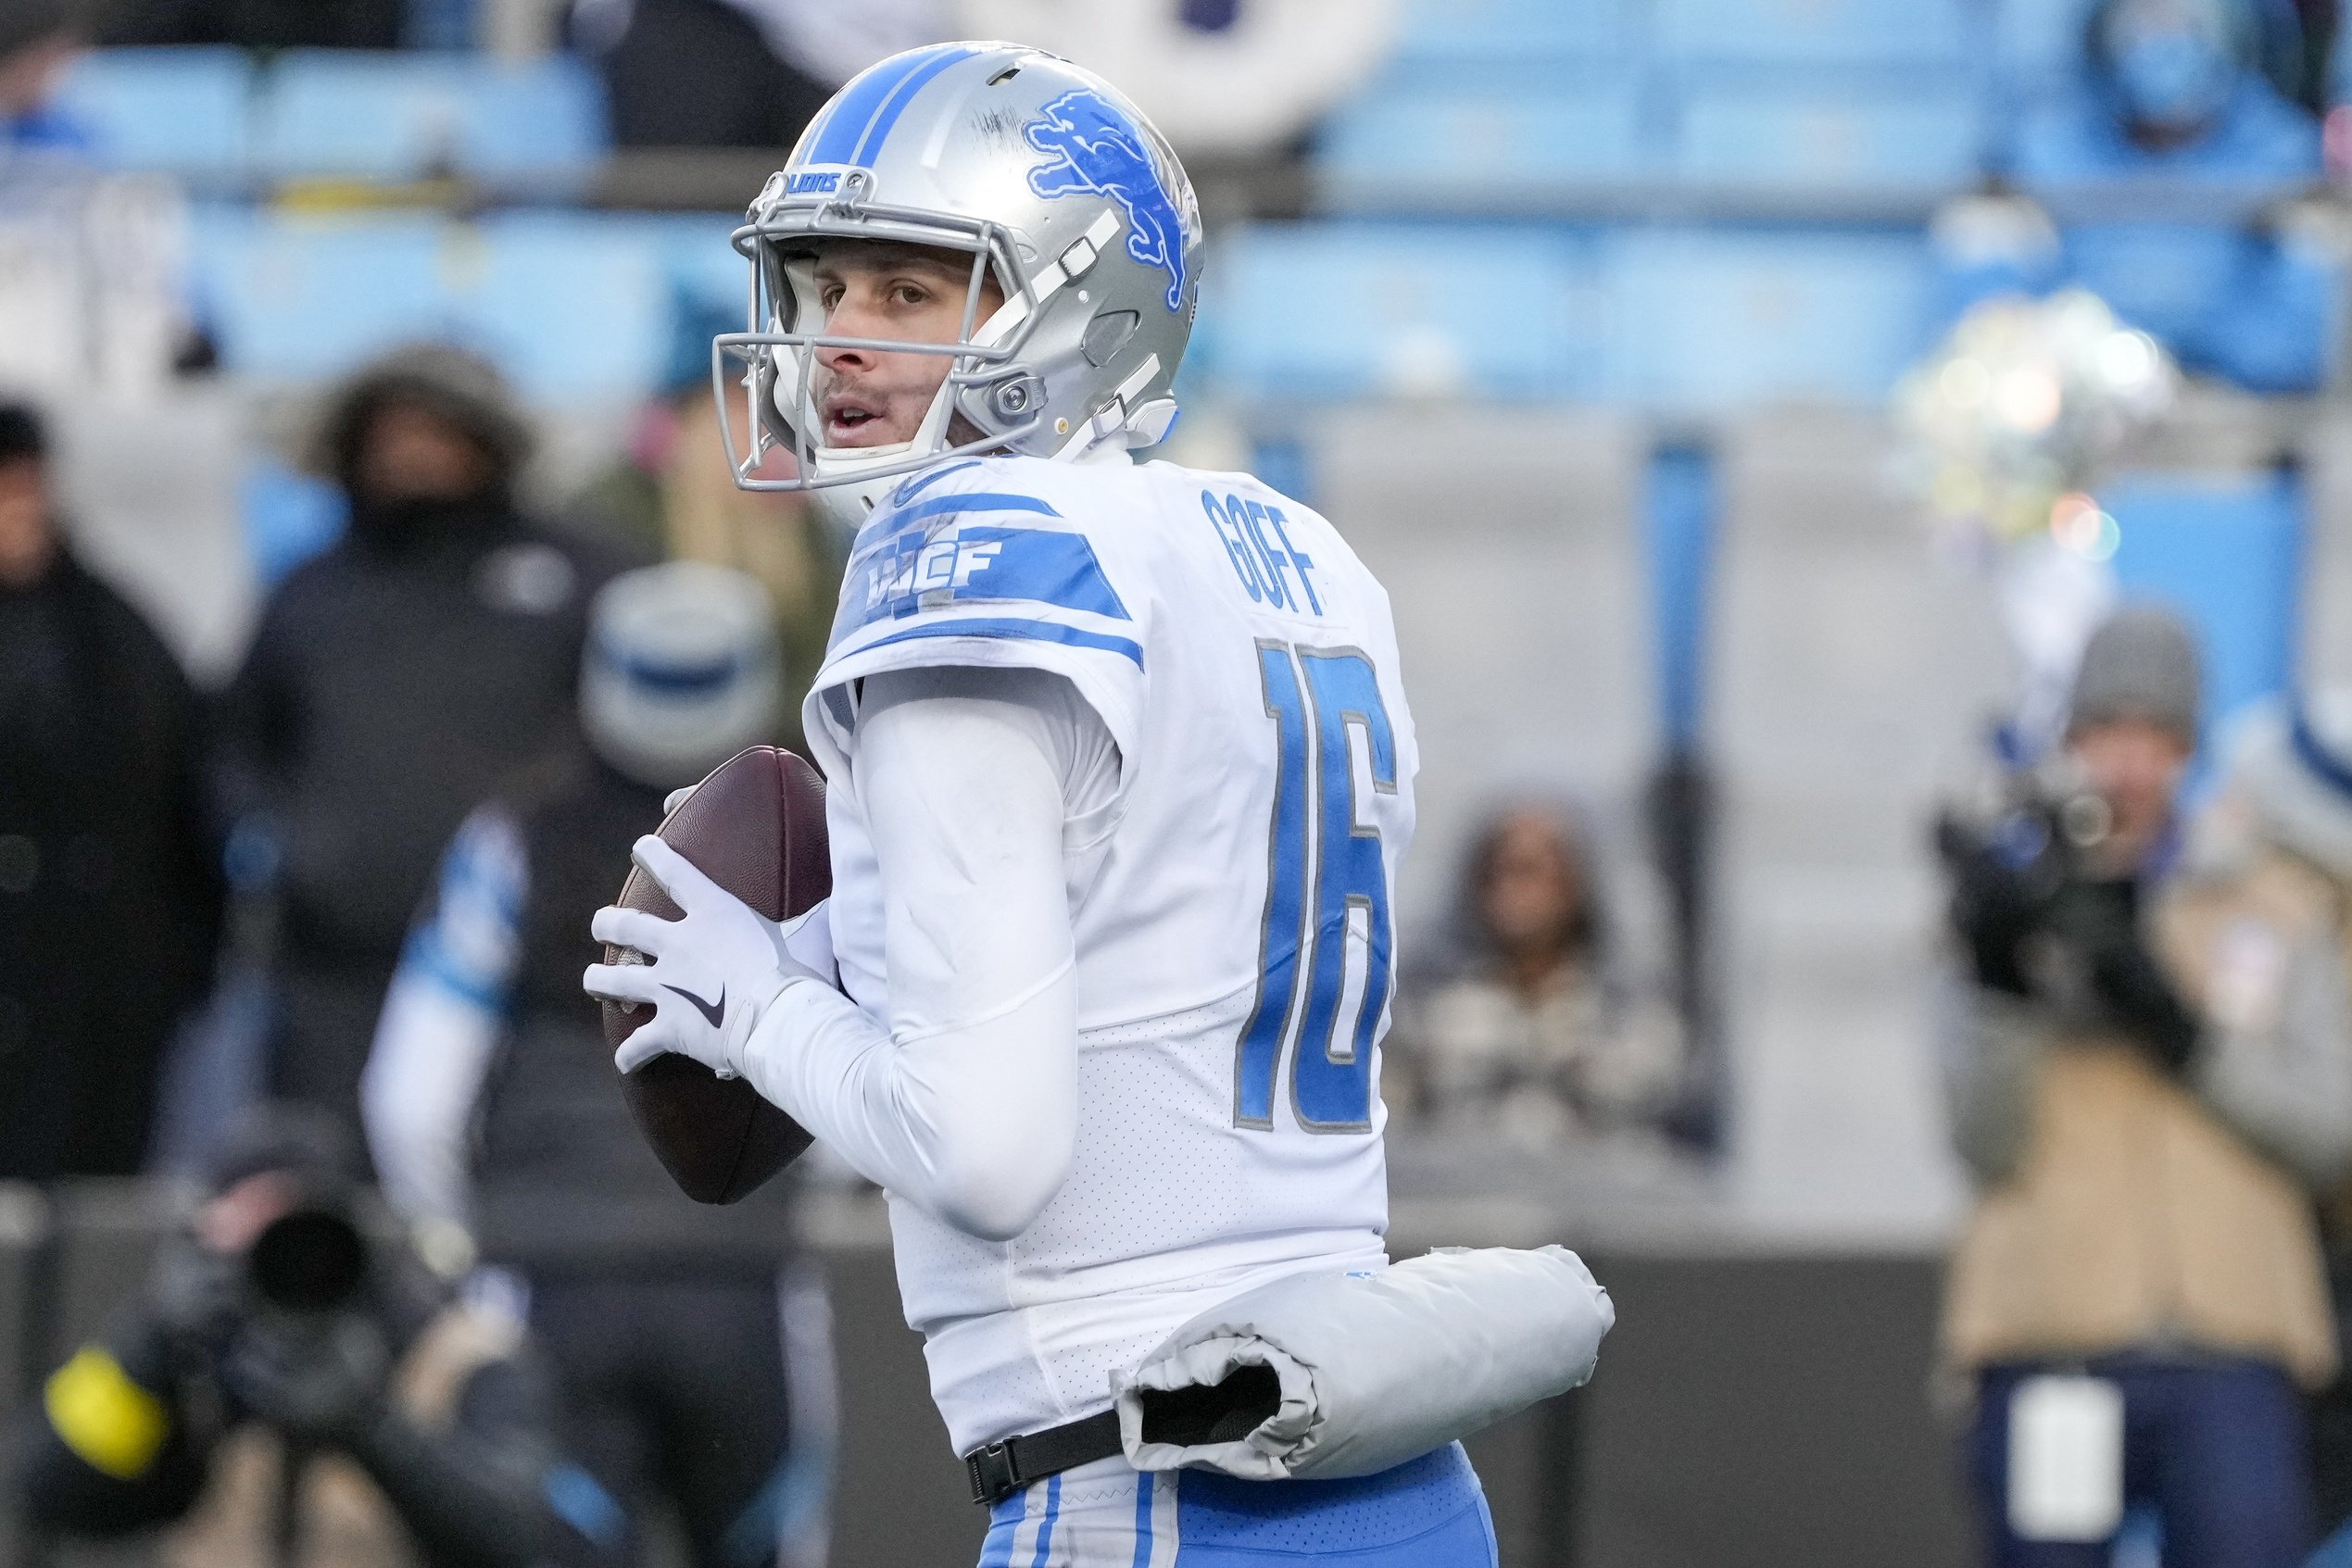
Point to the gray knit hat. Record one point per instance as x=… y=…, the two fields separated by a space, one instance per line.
x=2142 y=663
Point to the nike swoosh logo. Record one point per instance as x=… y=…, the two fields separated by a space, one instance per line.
x=715 y=1012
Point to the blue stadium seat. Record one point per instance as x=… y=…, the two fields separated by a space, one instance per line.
x=301 y=300
x=2039 y=40
x=703 y=268
x=398 y=117
x=1499 y=138
x=574 y=307
x=2224 y=549
x=575 y=310
x=1516 y=30
x=537 y=119
x=182 y=111
x=1873 y=129
x=1347 y=311
x=1816 y=31
x=1708 y=320
x=289 y=516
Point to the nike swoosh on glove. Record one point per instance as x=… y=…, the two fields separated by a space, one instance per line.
x=707 y=976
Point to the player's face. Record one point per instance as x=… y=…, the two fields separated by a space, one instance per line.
x=909 y=292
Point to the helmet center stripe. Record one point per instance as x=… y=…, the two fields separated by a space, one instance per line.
x=895 y=103
x=838 y=135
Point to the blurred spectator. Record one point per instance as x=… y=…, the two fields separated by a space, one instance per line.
x=2171 y=94
x=672 y=494
x=109 y=903
x=492 y=1102
x=2139 y=1291
x=1526 y=1033
x=37 y=42
x=395 y=682
x=738 y=74
x=2174 y=87
x=2282 y=821
x=294 y=1389
x=260 y=24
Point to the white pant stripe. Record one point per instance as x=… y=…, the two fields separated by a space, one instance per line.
x=1164 y=1518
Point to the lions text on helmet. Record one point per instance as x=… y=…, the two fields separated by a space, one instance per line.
x=977 y=247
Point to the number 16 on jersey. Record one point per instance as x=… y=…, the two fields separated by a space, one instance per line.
x=1328 y=931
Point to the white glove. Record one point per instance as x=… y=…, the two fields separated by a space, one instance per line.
x=676 y=799
x=709 y=975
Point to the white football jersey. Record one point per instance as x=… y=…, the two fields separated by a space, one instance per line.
x=1235 y=938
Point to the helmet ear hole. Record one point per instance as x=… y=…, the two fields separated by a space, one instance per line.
x=1108 y=333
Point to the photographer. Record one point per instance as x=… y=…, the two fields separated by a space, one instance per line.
x=2139 y=1292
x=293 y=1392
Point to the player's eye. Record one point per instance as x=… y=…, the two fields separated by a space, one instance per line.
x=829 y=297
x=910 y=293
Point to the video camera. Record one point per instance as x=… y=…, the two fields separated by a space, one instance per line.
x=2043 y=825
x=308 y=1263
x=2047 y=914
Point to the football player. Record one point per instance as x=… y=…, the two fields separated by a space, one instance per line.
x=1121 y=771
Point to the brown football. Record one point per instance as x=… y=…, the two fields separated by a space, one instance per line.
x=756 y=827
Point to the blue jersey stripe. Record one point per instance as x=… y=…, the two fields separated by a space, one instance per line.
x=429 y=956
x=1142 y=1520
x=846 y=123
x=972 y=501
x=870 y=144
x=1045 y=1526
x=1031 y=631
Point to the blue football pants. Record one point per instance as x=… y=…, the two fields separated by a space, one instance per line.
x=1427 y=1513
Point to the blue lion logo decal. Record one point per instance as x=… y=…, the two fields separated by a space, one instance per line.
x=1094 y=147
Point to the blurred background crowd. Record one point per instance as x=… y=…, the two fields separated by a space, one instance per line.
x=1866 y=491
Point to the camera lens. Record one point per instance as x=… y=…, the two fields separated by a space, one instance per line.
x=311 y=1261
x=2086 y=819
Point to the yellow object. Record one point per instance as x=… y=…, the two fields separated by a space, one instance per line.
x=114 y=1425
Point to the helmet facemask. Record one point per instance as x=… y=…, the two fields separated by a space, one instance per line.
x=995 y=381
x=773 y=368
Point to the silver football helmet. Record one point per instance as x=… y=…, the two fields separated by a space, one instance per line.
x=1056 y=187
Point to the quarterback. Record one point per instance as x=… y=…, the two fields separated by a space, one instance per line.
x=1121 y=771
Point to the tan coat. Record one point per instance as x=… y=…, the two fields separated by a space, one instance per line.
x=2136 y=1217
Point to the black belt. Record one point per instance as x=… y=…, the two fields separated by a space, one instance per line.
x=1001 y=1469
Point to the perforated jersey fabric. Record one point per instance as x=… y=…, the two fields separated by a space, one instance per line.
x=1427 y=1513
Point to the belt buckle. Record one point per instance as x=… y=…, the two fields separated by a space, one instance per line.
x=994 y=1476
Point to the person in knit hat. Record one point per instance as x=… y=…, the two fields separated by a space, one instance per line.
x=2137 y=1303
x=395 y=681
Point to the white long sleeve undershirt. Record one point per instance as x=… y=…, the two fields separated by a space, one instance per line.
x=966 y=1103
